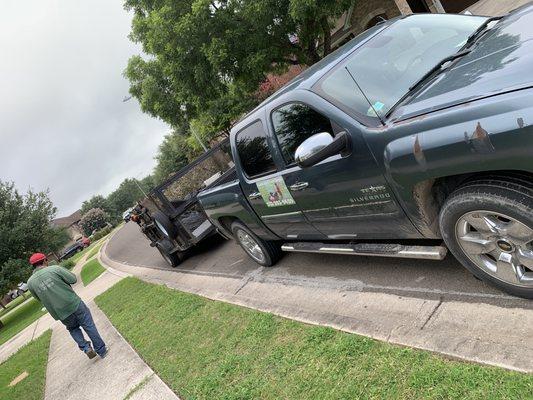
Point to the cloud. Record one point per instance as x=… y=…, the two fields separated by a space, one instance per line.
x=63 y=124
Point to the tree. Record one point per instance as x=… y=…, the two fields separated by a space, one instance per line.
x=148 y=183
x=174 y=153
x=97 y=201
x=208 y=58
x=24 y=229
x=125 y=197
x=12 y=272
x=93 y=219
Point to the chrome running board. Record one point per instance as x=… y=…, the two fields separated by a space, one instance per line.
x=369 y=249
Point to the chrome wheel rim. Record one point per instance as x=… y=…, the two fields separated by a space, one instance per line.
x=498 y=244
x=251 y=246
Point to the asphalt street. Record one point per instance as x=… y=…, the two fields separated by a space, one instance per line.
x=443 y=280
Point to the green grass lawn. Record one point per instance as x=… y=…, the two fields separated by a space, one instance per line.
x=95 y=249
x=205 y=349
x=14 y=303
x=19 y=319
x=32 y=359
x=90 y=271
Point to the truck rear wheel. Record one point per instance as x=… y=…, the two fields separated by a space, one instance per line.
x=263 y=252
x=488 y=226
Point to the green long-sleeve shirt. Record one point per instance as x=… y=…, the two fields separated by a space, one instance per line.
x=51 y=286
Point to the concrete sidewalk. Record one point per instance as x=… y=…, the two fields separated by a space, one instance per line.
x=71 y=375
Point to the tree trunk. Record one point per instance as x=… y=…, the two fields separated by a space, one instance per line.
x=312 y=54
x=327 y=35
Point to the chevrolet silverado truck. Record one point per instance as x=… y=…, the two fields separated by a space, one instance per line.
x=414 y=138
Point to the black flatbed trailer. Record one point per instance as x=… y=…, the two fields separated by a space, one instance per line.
x=171 y=217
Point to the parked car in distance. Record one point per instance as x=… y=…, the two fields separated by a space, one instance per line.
x=414 y=138
x=74 y=248
x=19 y=291
x=126 y=215
x=85 y=241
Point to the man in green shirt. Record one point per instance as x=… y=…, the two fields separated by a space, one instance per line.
x=51 y=285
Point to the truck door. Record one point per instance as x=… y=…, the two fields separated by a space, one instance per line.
x=264 y=187
x=343 y=197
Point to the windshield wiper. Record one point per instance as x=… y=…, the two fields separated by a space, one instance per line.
x=438 y=67
x=480 y=29
x=430 y=73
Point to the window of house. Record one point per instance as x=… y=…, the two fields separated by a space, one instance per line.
x=253 y=150
x=293 y=123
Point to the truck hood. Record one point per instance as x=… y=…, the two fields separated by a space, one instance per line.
x=501 y=61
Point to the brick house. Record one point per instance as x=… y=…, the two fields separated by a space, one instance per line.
x=364 y=14
x=71 y=223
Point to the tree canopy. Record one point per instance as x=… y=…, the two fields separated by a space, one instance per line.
x=97 y=201
x=173 y=154
x=24 y=229
x=206 y=59
x=93 y=220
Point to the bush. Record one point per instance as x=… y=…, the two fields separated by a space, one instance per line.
x=93 y=219
x=68 y=264
x=101 y=233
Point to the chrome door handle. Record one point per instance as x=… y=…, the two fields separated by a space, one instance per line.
x=254 y=195
x=299 y=186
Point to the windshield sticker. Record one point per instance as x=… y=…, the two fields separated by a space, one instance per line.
x=375 y=108
x=275 y=192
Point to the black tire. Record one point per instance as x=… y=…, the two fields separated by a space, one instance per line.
x=173 y=259
x=510 y=196
x=164 y=225
x=271 y=251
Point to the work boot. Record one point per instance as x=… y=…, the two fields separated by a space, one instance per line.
x=91 y=353
x=104 y=354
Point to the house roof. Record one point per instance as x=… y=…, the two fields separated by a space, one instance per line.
x=67 y=221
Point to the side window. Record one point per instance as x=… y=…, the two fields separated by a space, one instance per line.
x=340 y=89
x=293 y=123
x=253 y=150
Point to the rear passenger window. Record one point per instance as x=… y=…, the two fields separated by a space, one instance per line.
x=252 y=147
x=293 y=123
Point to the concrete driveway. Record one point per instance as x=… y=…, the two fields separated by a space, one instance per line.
x=495 y=7
x=431 y=305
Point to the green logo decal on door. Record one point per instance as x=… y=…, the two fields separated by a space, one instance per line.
x=275 y=192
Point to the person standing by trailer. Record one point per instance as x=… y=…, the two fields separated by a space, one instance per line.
x=51 y=285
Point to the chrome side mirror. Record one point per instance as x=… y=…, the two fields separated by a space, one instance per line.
x=320 y=146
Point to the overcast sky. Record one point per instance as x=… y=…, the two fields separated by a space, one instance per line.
x=63 y=124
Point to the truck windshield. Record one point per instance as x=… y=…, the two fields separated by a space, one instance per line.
x=388 y=64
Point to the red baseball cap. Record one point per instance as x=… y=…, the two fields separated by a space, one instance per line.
x=37 y=257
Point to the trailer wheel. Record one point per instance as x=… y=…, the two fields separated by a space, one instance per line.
x=164 y=225
x=173 y=259
x=263 y=252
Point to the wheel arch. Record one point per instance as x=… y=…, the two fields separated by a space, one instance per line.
x=428 y=196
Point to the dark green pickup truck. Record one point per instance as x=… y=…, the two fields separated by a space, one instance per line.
x=414 y=138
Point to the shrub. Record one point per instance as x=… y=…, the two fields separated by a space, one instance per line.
x=101 y=233
x=93 y=219
x=68 y=264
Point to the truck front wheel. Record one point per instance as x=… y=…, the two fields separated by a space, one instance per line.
x=263 y=252
x=488 y=226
